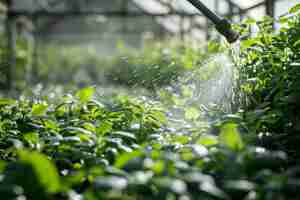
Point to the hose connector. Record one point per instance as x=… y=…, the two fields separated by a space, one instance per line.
x=224 y=27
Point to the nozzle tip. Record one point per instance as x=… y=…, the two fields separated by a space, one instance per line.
x=224 y=27
x=232 y=36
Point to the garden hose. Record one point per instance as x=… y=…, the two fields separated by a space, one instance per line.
x=223 y=26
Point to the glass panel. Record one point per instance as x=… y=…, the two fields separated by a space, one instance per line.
x=282 y=7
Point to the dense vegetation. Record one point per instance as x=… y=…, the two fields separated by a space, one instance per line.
x=269 y=72
x=153 y=66
x=86 y=146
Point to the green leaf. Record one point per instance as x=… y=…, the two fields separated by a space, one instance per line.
x=77 y=131
x=297 y=43
x=39 y=109
x=5 y=101
x=2 y=166
x=159 y=115
x=230 y=137
x=208 y=140
x=250 y=21
x=294 y=9
x=249 y=42
x=182 y=139
x=124 y=135
x=213 y=190
x=43 y=168
x=89 y=126
x=85 y=94
x=123 y=159
x=157 y=167
x=104 y=127
x=175 y=185
x=72 y=139
x=242 y=185
x=283 y=19
x=51 y=124
x=110 y=183
x=32 y=137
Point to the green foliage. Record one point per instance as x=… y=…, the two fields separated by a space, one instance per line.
x=269 y=76
x=153 y=66
x=120 y=148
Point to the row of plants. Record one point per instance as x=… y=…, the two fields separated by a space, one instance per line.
x=80 y=147
x=156 y=65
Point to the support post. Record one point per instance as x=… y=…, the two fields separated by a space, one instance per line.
x=11 y=36
x=270 y=8
x=182 y=29
x=124 y=8
x=35 y=52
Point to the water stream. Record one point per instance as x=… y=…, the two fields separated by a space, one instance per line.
x=212 y=85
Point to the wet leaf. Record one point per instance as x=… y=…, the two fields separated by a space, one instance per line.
x=85 y=94
x=230 y=137
x=124 y=135
x=110 y=183
x=213 y=190
x=39 y=109
x=43 y=168
x=123 y=159
x=4 y=101
x=208 y=140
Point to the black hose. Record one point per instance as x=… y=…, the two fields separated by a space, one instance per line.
x=207 y=12
x=223 y=26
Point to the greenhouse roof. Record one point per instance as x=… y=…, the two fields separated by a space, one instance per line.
x=168 y=13
x=151 y=6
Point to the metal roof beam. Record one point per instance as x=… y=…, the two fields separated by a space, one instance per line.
x=106 y=13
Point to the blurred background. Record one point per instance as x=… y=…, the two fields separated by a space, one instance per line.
x=90 y=41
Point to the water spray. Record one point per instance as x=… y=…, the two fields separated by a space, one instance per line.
x=222 y=25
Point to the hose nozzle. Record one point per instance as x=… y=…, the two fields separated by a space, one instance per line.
x=222 y=25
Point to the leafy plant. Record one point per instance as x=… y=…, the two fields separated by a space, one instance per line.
x=269 y=73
